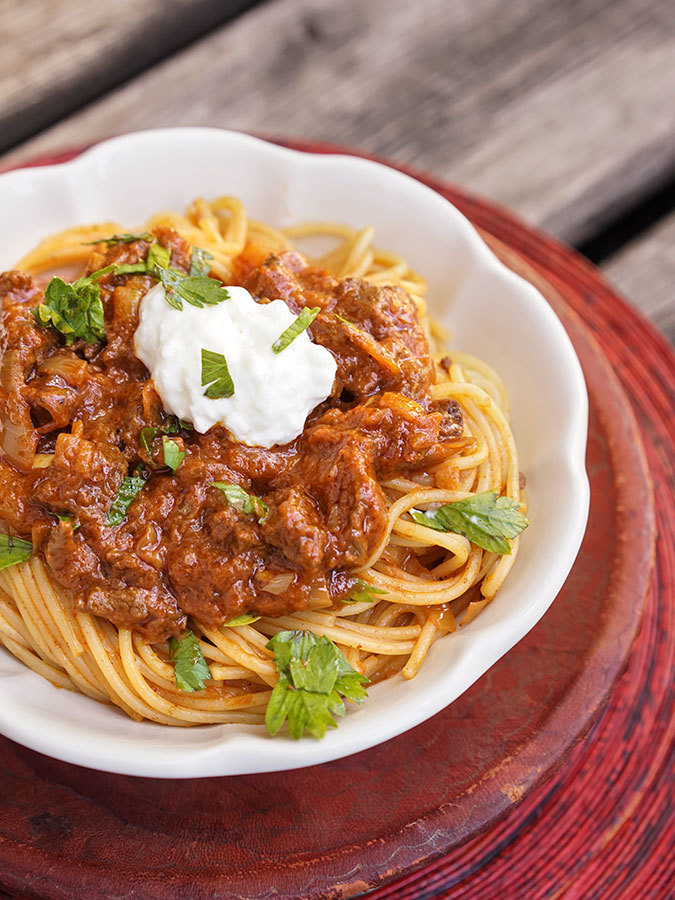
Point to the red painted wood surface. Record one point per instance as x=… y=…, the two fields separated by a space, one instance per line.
x=599 y=828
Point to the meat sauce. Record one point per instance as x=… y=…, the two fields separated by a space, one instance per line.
x=71 y=431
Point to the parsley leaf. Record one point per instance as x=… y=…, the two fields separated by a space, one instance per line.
x=67 y=517
x=173 y=455
x=485 y=519
x=199 y=264
x=303 y=321
x=243 y=619
x=362 y=592
x=148 y=433
x=196 y=289
x=158 y=257
x=125 y=238
x=145 y=439
x=131 y=485
x=314 y=676
x=216 y=374
x=13 y=550
x=247 y=503
x=189 y=665
x=73 y=309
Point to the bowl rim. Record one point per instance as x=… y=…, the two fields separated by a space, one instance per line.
x=285 y=754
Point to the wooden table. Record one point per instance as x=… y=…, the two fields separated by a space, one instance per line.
x=561 y=110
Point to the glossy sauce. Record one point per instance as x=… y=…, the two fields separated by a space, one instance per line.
x=182 y=549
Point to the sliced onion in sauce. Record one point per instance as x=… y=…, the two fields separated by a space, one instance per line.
x=278 y=583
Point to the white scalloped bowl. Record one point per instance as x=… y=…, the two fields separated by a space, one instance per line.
x=490 y=311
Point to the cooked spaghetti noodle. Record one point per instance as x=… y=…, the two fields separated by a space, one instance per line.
x=430 y=580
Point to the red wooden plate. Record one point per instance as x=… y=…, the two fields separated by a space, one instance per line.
x=341 y=828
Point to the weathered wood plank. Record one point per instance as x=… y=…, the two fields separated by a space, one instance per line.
x=59 y=54
x=644 y=272
x=562 y=111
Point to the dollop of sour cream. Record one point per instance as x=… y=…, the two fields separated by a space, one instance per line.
x=273 y=392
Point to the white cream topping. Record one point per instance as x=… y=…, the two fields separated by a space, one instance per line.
x=273 y=392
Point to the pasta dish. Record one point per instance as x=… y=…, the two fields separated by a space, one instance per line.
x=240 y=479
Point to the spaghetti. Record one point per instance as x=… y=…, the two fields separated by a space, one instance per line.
x=427 y=580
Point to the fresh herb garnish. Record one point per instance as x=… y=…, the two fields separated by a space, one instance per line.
x=342 y=319
x=303 y=321
x=485 y=519
x=314 y=676
x=14 y=550
x=243 y=619
x=131 y=485
x=247 y=503
x=158 y=257
x=216 y=374
x=362 y=592
x=173 y=455
x=76 y=309
x=66 y=517
x=145 y=439
x=189 y=665
x=199 y=265
x=196 y=289
x=73 y=309
x=125 y=238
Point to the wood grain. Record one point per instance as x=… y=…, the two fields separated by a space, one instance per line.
x=562 y=111
x=59 y=54
x=599 y=830
x=644 y=271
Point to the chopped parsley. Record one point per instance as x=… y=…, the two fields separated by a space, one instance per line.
x=314 y=677
x=14 y=550
x=131 y=485
x=244 y=619
x=125 y=238
x=486 y=519
x=173 y=455
x=362 y=592
x=66 y=517
x=189 y=666
x=216 y=374
x=75 y=310
x=303 y=321
x=199 y=265
x=247 y=503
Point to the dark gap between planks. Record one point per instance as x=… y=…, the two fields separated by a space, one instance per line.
x=115 y=68
x=630 y=224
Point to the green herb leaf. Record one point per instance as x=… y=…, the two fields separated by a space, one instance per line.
x=244 y=619
x=75 y=310
x=173 y=455
x=247 y=503
x=158 y=257
x=314 y=676
x=189 y=665
x=196 y=289
x=342 y=319
x=125 y=238
x=303 y=321
x=199 y=264
x=66 y=517
x=146 y=437
x=131 y=485
x=486 y=519
x=14 y=550
x=362 y=592
x=216 y=374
